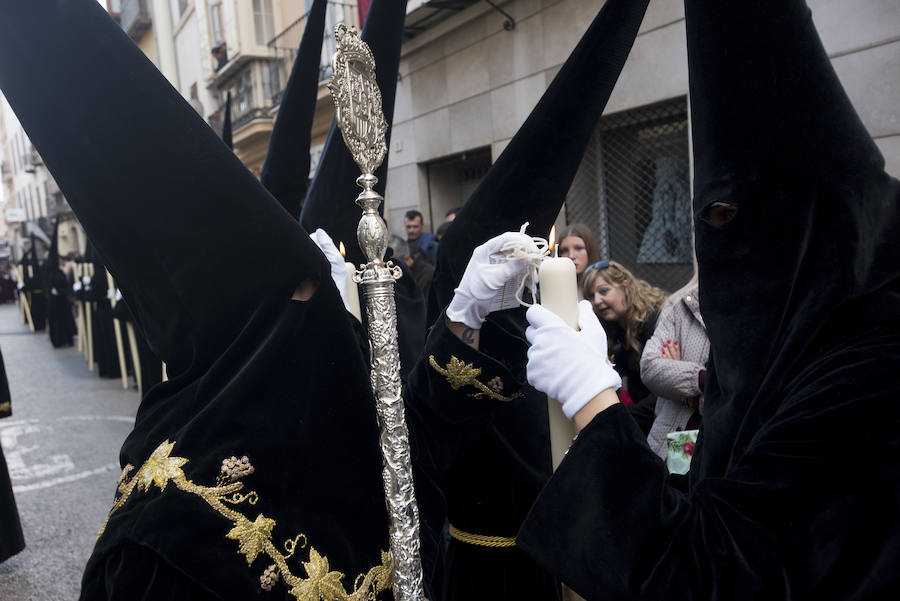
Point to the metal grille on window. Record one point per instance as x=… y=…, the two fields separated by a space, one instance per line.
x=633 y=190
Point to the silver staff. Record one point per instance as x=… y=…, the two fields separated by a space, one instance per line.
x=357 y=102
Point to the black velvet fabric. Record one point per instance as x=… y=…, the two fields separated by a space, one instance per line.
x=285 y=172
x=226 y=126
x=530 y=179
x=793 y=488
x=489 y=458
x=11 y=538
x=334 y=188
x=252 y=372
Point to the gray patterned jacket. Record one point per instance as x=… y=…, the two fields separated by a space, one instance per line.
x=675 y=382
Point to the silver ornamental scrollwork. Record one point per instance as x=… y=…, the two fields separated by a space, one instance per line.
x=357 y=101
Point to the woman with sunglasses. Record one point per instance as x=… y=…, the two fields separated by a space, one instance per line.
x=628 y=307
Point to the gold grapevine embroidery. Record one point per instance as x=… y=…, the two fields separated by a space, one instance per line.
x=254 y=537
x=459 y=373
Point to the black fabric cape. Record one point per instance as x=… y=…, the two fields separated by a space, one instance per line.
x=11 y=538
x=252 y=372
x=795 y=484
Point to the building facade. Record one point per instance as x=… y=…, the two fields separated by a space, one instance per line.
x=30 y=196
x=468 y=82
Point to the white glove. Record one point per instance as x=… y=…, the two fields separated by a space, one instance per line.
x=478 y=293
x=571 y=367
x=338 y=265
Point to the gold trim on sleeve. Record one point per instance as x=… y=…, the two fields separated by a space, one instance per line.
x=459 y=373
x=482 y=540
x=254 y=537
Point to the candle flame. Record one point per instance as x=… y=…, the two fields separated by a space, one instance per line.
x=342 y=249
x=551 y=241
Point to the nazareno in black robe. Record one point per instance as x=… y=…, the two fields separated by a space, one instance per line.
x=103 y=332
x=60 y=319
x=491 y=466
x=794 y=489
x=11 y=538
x=252 y=372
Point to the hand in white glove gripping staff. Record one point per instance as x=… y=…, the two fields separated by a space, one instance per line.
x=338 y=266
x=571 y=367
x=477 y=294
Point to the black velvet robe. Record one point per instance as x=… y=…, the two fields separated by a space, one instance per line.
x=60 y=320
x=488 y=456
x=103 y=333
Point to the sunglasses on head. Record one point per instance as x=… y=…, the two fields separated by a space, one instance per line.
x=598 y=265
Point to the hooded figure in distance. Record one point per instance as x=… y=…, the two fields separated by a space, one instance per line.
x=61 y=321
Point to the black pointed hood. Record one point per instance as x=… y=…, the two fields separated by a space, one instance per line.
x=530 y=179
x=226 y=126
x=816 y=227
x=329 y=204
x=178 y=289
x=285 y=172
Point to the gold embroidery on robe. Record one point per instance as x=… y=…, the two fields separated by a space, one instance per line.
x=5 y=406
x=459 y=373
x=254 y=538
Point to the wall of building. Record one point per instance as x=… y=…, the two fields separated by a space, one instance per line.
x=468 y=84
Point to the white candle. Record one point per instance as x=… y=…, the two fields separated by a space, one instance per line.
x=559 y=293
x=353 y=292
x=352 y=287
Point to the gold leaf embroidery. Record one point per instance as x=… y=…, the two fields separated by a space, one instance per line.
x=160 y=468
x=254 y=538
x=5 y=406
x=322 y=583
x=459 y=373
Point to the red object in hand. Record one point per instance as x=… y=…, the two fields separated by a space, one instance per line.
x=624 y=397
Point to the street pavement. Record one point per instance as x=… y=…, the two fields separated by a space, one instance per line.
x=61 y=445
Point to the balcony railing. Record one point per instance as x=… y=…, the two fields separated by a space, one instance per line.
x=286 y=43
x=135 y=18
